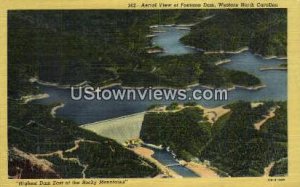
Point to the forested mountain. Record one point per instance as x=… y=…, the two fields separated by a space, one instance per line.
x=107 y=46
x=182 y=131
x=42 y=146
x=232 y=144
x=263 y=31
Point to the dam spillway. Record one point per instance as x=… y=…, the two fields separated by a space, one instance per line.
x=120 y=129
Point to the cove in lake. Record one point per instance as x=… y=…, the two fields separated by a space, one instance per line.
x=169 y=40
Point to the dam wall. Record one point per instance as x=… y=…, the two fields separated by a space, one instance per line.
x=120 y=128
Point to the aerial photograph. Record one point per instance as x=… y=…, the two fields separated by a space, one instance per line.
x=182 y=93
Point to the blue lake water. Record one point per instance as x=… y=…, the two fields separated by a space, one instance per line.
x=84 y=111
x=170 y=41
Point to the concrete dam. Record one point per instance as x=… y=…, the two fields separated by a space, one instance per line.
x=120 y=129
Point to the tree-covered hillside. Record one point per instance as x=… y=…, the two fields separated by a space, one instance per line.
x=185 y=132
x=231 y=144
x=33 y=133
x=108 y=46
x=263 y=30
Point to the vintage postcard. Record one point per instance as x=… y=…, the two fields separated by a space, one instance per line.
x=150 y=93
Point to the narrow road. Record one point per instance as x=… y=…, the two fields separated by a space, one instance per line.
x=60 y=154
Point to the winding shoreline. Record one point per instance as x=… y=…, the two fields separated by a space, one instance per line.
x=147 y=154
x=182 y=25
x=243 y=49
x=247 y=88
x=221 y=62
x=187 y=87
x=54 y=109
x=201 y=169
x=28 y=98
x=234 y=87
x=57 y=85
x=273 y=68
x=271 y=57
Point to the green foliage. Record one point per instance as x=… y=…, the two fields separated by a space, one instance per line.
x=190 y=104
x=280 y=168
x=264 y=31
x=32 y=129
x=243 y=78
x=113 y=158
x=236 y=141
x=284 y=65
x=184 y=131
x=271 y=38
x=232 y=144
x=219 y=77
x=65 y=168
x=172 y=106
x=102 y=47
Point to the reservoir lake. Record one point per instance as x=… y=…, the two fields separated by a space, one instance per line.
x=84 y=111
